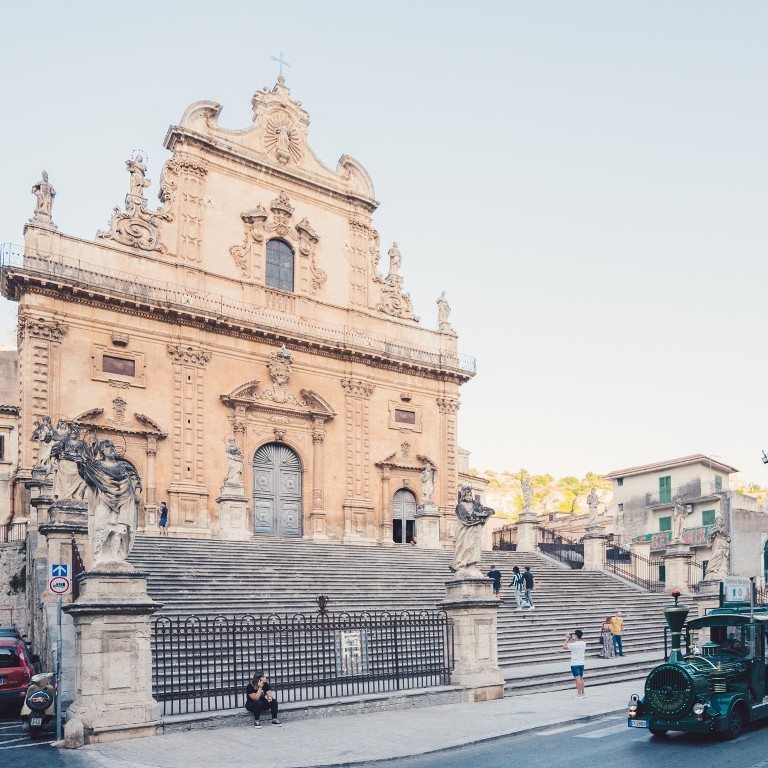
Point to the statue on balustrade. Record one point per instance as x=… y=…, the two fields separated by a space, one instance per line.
x=65 y=455
x=472 y=517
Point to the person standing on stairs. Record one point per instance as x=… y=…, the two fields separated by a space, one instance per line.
x=495 y=576
x=577 y=647
x=163 y=521
x=517 y=586
x=528 y=582
x=617 y=630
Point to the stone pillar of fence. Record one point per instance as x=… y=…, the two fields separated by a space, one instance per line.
x=472 y=607
x=428 y=526
x=113 y=659
x=526 y=532
x=676 y=560
x=594 y=548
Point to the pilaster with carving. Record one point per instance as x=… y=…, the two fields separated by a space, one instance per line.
x=188 y=509
x=448 y=407
x=185 y=177
x=39 y=344
x=358 y=506
x=317 y=515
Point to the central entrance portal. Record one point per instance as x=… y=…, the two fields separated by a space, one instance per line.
x=276 y=491
x=403 y=517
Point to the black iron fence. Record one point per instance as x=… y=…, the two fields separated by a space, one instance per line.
x=645 y=572
x=505 y=538
x=203 y=663
x=696 y=574
x=12 y=532
x=560 y=548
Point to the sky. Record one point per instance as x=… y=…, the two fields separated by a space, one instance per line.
x=587 y=182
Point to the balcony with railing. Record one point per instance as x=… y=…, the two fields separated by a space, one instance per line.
x=696 y=489
x=169 y=299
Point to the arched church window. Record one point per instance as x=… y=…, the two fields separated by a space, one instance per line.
x=279 y=272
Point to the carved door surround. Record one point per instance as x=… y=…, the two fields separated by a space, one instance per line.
x=402 y=471
x=261 y=415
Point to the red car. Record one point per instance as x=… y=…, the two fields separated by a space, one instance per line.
x=16 y=671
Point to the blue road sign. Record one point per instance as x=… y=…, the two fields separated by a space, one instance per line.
x=60 y=569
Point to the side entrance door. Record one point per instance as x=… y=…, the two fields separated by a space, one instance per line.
x=276 y=491
x=403 y=516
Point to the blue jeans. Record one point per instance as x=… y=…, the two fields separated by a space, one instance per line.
x=529 y=597
x=617 y=649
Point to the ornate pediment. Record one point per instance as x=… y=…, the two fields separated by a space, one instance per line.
x=116 y=419
x=403 y=459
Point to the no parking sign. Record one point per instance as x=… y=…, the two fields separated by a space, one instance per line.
x=59 y=585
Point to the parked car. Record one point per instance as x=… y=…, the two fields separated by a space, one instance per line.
x=16 y=670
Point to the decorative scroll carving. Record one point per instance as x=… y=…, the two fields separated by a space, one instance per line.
x=244 y=255
x=282 y=210
x=308 y=238
x=138 y=227
x=188 y=355
x=279 y=366
x=118 y=407
x=358 y=388
x=395 y=301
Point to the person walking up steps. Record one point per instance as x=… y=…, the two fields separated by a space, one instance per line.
x=528 y=582
x=495 y=576
x=517 y=586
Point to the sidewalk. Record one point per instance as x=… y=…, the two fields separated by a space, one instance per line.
x=361 y=738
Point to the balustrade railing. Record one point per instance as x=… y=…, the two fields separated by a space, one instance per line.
x=12 y=532
x=185 y=301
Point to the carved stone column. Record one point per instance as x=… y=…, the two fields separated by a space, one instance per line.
x=526 y=532
x=317 y=515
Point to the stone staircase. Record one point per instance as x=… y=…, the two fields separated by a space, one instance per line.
x=283 y=576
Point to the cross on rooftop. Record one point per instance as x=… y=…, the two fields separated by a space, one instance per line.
x=281 y=61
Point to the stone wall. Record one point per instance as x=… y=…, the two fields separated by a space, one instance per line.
x=13 y=608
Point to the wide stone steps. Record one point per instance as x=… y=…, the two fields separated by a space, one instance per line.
x=284 y=576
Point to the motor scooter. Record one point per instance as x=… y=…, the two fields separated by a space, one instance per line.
x=39 y=708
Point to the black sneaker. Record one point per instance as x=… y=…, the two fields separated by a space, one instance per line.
x=257 y=723
x=276 y=722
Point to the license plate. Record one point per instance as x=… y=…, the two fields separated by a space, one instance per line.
x=637 y=723
x=36 y=721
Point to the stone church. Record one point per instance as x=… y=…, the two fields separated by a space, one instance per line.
x=244 y=345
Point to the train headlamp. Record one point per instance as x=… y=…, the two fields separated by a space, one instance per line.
x=699 y=709
x=634 y=701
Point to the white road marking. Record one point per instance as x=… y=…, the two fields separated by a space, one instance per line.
x=598 y=734
x=574 y=726
x=28 y=743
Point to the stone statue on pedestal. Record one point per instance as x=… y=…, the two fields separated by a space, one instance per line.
x=427 y=482
x=681 y=512
x=527 y=490
x=718 y=566
x=44 y=193
x=138 y=171
x=592 y=502
x=472 y=516
x=234 y=464
x=66 y=453
x=114 y=487
x=443 y=312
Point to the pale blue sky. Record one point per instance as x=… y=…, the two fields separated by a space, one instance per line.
x=586 y=180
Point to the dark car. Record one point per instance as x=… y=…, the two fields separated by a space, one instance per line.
x=16 y=671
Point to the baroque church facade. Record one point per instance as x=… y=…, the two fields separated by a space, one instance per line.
x=243 y=346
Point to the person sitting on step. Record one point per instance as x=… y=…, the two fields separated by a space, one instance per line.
x=258 y=697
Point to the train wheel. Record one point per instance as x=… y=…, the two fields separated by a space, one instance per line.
x=658 y=732
x=735 y=723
